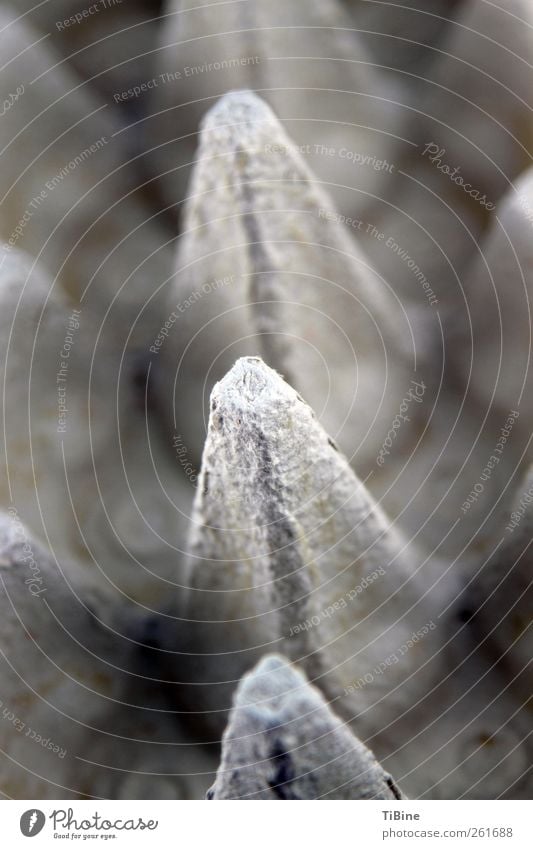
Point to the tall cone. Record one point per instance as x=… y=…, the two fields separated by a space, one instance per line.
x=289 y=552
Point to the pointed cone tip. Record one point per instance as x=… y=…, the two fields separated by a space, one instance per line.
x=250 y=382
x=241 y=106
x=272 y=680
x=272 y=663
